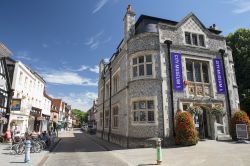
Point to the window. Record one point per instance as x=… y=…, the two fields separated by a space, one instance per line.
x=107 y=90
x=143 y=111
x=188 y=38
x=198 y=75
x=101 y=118
x=115 y=83
x=106 y=119
x=185 y=106
x=142 y=66
x=21 y=78
x=115 y=117
x=194 y=39
x=201 y=41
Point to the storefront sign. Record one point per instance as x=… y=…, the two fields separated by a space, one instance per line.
x=15 y=105
x=241 y=131
x=177 y=71
x=219 y=76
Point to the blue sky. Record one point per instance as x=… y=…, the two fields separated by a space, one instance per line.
x=64 y=40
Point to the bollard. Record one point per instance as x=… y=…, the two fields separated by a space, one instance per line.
x=27 y=151
x=158 y=151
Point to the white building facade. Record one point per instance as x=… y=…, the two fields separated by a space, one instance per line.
x=28 y=99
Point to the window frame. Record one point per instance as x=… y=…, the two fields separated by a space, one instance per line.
x=115 y=117
x=195 y=84
x=198 y=38
x=137 y=110
x=136 y=66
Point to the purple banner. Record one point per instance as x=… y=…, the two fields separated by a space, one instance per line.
x=219 y=76
x=177 y=71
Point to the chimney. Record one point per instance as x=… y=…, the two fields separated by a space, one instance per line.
x=129 y=23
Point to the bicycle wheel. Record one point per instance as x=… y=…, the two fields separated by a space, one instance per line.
x=20 y=148
x=13 y=149
x=1 y=139
x=42 y=144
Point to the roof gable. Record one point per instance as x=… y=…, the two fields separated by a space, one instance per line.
x=192 y=23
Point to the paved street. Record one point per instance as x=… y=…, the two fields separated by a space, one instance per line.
x=77 y=149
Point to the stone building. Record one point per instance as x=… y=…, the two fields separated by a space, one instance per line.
x=161 y=67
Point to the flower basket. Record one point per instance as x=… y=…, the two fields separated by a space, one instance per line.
x=217 y=110
x=195 y=110
x=186 y=133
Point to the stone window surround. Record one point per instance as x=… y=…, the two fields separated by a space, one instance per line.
x=112 y=117
x=146 y=98
x=192 y=45
x=117 y=75
x=201 y=82
x=138 y=54
x=210 y=72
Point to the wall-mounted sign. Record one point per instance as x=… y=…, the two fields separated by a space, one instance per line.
x=241 y=131
x=15 y=105
x=219 y=76
x=177 y=71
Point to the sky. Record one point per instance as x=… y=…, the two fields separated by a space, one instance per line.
x=64 y=40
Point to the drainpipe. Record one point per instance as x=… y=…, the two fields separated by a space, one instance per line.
x=222 y=53
x=110 y=90
x=169 y=69
x=103 y=102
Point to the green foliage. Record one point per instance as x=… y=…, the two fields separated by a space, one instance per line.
x=80 y=114
x=239 y=42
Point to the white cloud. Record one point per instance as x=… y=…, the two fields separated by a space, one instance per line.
x=95 y=69
x=99 y=5
x=81 y=101
x=67 y=78
x=241 y=6
x=106 y=60
x=82 y=68
x=45 y=45
x=94 y=41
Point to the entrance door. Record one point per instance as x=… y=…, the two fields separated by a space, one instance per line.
x=201 y=124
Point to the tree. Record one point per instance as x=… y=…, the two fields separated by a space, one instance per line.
x=80 y=114
x=239 y=42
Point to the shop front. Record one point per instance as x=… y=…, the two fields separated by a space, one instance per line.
x=34 y=122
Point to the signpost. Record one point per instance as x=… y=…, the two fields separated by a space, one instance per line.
x=242 y=133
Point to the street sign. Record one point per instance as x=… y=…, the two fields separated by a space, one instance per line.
x=241 y=131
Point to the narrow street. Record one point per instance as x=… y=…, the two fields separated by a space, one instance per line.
x=77 y=149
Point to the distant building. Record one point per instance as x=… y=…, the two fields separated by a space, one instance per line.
x=92 y=115
x=162 y=66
